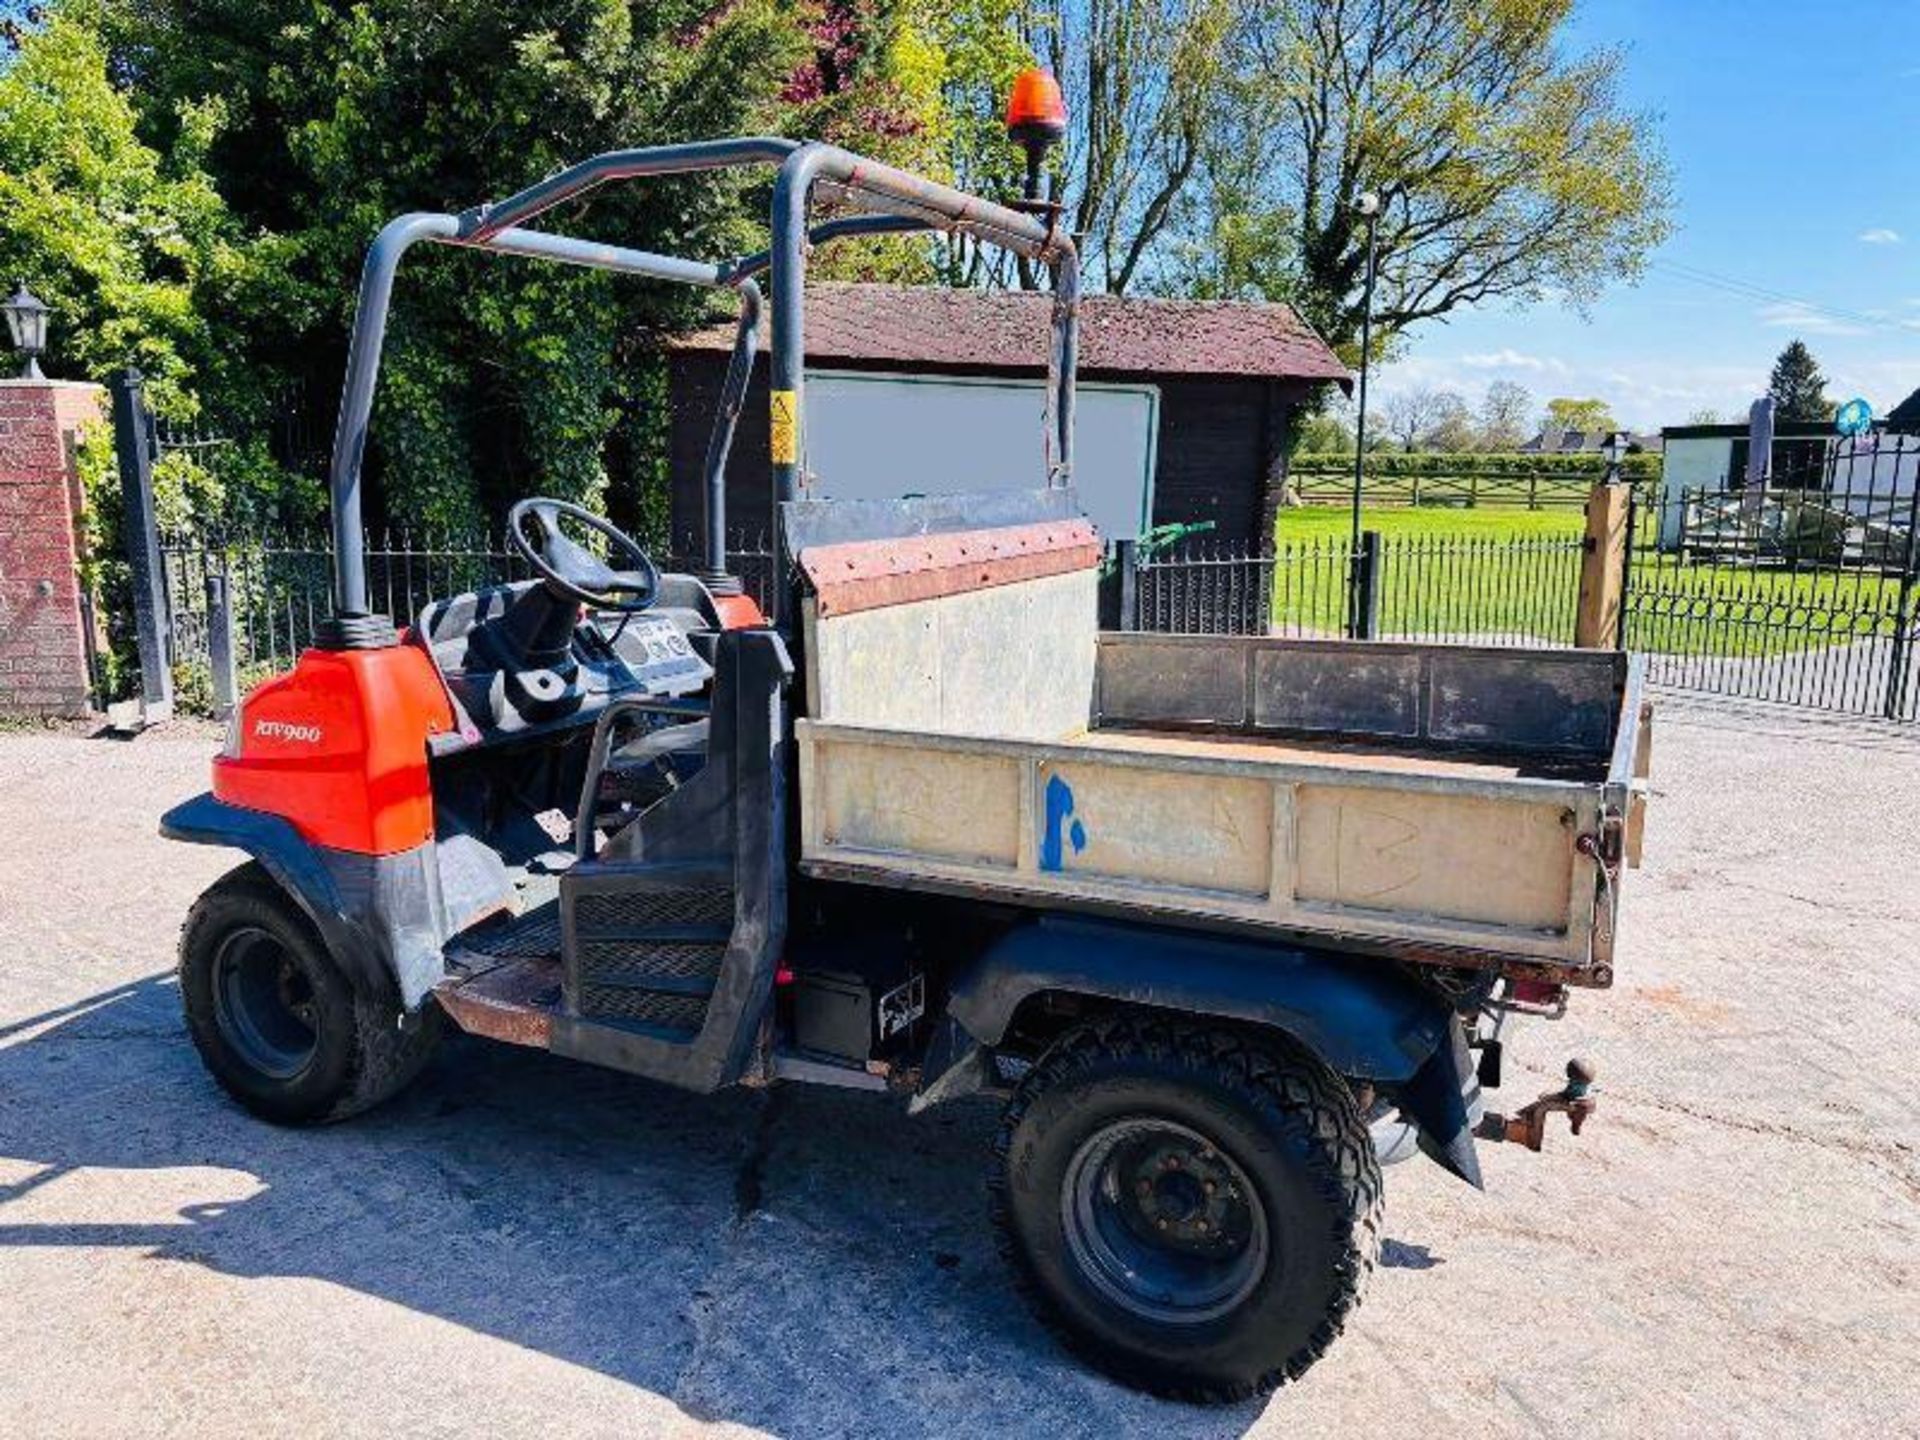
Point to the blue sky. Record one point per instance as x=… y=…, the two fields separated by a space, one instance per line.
x=1794 y=133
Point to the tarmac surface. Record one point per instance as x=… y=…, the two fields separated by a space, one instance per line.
x=520 y=1245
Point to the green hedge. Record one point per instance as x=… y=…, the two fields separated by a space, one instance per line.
x=1391 y=464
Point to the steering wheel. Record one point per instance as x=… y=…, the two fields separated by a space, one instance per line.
x=570 y=569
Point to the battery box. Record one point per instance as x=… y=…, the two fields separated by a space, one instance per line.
x=840 y=1013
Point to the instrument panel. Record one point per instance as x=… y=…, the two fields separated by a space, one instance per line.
x=655 y=649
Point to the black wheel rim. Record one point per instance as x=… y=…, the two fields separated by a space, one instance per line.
x=264 y=1005
x=1162 y=1222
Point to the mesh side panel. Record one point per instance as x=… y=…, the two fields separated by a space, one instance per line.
x=534 y=935
x=672 y=1012
x=646 y=909
x=617 y=960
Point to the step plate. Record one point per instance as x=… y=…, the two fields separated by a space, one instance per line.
x=513 y=1002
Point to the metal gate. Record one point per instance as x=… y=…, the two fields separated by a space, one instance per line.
x=1801 y=590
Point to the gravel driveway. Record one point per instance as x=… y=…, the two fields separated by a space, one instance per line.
x=520 y=1245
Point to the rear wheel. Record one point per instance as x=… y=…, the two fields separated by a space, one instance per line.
x=1192 y=1210
x=274 y=1018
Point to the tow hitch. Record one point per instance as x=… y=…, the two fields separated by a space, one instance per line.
x=1528 y=1126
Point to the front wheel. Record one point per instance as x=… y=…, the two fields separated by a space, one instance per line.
x=274 y=1018
x=1193 y=1210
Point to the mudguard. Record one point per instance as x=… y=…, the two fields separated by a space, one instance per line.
x=1365 y=1020
x=380 y=915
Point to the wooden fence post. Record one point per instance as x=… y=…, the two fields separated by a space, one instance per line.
x=1603 y=568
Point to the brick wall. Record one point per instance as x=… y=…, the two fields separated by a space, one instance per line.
x=43 y=658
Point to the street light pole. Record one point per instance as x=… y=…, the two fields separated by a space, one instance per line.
x=1369 y=206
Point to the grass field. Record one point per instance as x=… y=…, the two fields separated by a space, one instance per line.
x=1459 y=573
x=1327 y=522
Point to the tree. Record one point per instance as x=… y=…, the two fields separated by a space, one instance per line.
x=1798 y=388
x=1145 y=85
x=1587 y=416
x=1504 y=414
x=975 y=47
x=1509 y=166
x=1325 y=434
x=1413 y=416
x=1705 y=415
x=501 y=378
x=128 y=246
x=1454 y=432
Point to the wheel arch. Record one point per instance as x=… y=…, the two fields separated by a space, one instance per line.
x=1364 y=1020
x=302 y=872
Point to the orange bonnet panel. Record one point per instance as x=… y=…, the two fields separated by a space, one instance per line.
x=339 y=748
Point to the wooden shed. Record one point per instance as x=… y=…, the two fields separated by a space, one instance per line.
x=1224 y=377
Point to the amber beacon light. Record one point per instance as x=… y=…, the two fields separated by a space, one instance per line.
x=1036 y=119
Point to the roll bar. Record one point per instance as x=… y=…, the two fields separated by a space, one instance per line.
x=892 y=201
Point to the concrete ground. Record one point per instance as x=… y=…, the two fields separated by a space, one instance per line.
x=521 y=1246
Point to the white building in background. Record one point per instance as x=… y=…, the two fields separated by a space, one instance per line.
x=1871 y=477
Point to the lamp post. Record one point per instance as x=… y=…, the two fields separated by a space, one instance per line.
x=27 y=324
x=1368 y=205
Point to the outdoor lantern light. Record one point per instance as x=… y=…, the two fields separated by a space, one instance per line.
x=1616 y=451
x=27 y=324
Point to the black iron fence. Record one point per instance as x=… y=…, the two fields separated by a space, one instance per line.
x=1498 y=591
x=1804 y=590
x=278 y=587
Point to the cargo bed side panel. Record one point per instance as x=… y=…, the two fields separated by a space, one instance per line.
x=1392 y=859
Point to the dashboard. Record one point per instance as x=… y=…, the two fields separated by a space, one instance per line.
x=608 y=656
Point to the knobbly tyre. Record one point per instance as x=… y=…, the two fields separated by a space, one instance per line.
x=1223 y=922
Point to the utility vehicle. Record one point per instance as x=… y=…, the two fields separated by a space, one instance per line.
x=1222 y=919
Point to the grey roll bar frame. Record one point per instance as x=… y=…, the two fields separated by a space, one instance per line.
x=895 y=201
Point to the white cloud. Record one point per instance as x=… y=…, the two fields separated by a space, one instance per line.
x=1880 y=235
x=1508 y=359
x=1797 y=315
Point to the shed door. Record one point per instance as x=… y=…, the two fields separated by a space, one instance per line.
x=881 y=437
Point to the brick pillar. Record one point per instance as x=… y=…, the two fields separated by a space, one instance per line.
x=43 y=653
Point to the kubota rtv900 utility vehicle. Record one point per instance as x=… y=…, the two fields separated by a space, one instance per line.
x=1223 y=919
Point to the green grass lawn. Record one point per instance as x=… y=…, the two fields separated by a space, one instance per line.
x=1459 y=573
x=1327 y=522
x=1449 y=571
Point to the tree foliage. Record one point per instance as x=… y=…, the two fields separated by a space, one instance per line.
x=1508 y=166
x=1505 y=413
x=1587 y=416
x=501 y=378
x=1798 y=388
x=1415 y=417
x=1145 y=82
x=193 y=184
x=133 y=249
x=248 y=149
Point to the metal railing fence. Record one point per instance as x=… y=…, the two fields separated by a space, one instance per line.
x=1499 y=591
x=279 y=586
x=1804 y=590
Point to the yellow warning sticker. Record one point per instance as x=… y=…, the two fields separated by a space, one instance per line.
x=783 y=435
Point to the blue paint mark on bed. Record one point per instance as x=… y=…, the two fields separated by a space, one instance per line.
x=1059 y=811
